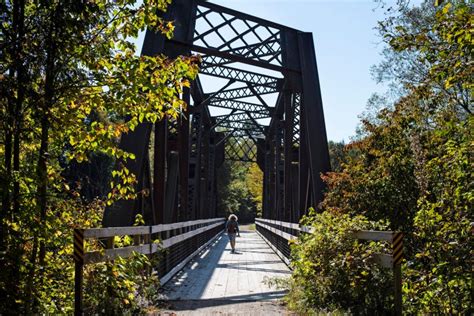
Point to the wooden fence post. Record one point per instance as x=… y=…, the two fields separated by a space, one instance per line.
x=79 y=270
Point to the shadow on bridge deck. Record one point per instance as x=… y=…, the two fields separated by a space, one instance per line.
x=218 y=277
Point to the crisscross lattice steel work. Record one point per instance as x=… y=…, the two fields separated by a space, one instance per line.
x=263 y=105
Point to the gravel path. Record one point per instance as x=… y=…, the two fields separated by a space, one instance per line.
x=223 y=307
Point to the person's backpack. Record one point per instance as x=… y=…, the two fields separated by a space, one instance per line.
x=232 y=227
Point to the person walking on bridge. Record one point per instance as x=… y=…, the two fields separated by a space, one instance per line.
x=232 y=229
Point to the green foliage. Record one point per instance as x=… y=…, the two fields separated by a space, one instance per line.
x=430 y=50
x=240 y=184
x=333 y=270
x=379 y=180
x=235 y=180
x=54 y=287
x=72 y=85
x=440 y=274
x=126 y=286
x=254 y=181
x=445 y=45
x=411 y=167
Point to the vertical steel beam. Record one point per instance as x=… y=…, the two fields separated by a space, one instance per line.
x=295 y=159
x=313 y=116
x=266 y=181
x=273 y=170
x=195 y=164
x=288 y=155
x=279 y=181
x=211 y=181
x=148 y=209
x=204 y=173
x=183 y=13
x=171 y=188
x=159 y=170
x=183 y=148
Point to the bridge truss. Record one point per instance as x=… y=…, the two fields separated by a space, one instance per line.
x=263 y=106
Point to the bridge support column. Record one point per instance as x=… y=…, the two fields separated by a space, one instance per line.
x=288 y=156
x=160 y=155
x=183 y=145
x=313 y=117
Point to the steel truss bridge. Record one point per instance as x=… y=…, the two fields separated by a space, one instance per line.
x=257 y=99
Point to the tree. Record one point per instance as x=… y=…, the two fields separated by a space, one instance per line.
x=377 y=179
x=336 y=154
x=429 y=49
x=410 y=166
x=254 y=182
x=234 y=195
x=240 y=184
x=71 y=86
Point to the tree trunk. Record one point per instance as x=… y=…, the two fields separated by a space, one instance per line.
x=49 y=91
x=6 y=178
x=42 y=163
x=12 y=158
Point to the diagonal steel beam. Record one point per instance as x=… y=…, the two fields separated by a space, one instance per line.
x=256 y=123
x=208 y=97
x=257 y=94
x=241 y=15
x=214 y=28
x=223 y=119
x=224 y=138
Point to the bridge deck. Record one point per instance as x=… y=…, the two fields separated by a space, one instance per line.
x=217 y=274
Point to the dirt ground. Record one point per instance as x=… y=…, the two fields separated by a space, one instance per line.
x=222 y=308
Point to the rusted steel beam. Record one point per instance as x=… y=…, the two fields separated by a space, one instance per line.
x=318 y=151
x=159 y=170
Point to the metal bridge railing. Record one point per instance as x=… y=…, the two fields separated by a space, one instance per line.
x=178 y=243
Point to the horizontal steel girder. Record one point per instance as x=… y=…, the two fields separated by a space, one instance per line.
x=240 y=106
x=240 y=117
x=211 y=67
x=245 y=92
x=245 y=133
x=244 y=125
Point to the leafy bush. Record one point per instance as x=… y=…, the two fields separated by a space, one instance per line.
x=439 y=276
x=126 y=286
x=334 y=272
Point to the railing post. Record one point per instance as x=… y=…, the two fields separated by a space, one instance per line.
x=397 y=274
x=78 y=270
x=150 y=240
x=397 y=255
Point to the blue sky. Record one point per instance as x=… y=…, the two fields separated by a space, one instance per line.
x=346 y=47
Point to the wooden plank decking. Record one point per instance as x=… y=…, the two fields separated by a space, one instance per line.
x=217 y=274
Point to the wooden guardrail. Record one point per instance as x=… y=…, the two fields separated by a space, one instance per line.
x=392 y=260
x=143 y=244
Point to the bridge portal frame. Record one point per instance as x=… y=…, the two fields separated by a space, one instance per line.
x=291 y=150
